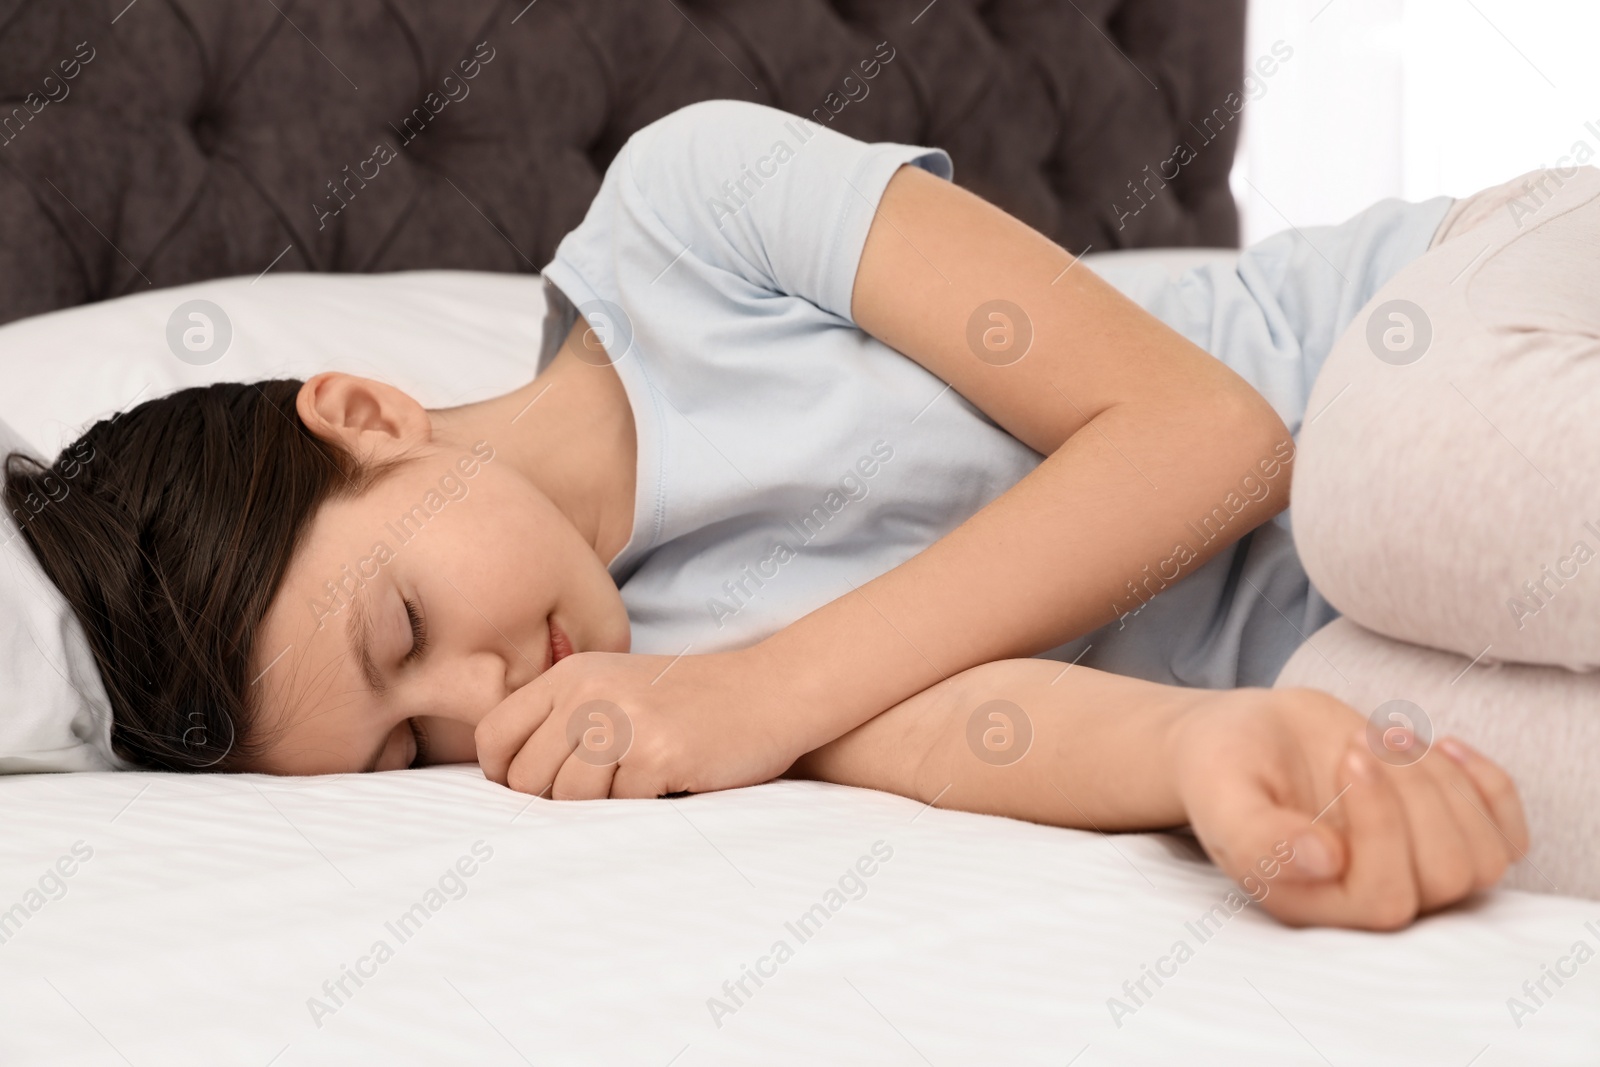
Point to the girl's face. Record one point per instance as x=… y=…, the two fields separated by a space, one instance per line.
x=418 y=606
x=408 y=612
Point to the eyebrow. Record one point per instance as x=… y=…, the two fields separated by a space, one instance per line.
x=359 y=629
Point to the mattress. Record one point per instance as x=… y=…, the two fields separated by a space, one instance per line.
x=211 y=919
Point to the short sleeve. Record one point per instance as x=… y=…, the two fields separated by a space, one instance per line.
x=778 y=200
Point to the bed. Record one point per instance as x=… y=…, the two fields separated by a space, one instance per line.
x=431 y=916
x=212 y=919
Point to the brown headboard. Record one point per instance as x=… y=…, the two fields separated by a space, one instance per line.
x=169 y=141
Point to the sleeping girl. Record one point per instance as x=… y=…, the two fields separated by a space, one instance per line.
x=831 y=470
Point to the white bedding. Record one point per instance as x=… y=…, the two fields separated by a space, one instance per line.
x=214 y=907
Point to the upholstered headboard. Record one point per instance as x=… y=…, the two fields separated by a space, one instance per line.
x=149 y=143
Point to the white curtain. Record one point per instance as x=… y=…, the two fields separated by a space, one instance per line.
x=1409 y=98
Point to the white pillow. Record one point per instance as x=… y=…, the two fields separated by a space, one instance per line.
x=446 y=337
x=54 y=715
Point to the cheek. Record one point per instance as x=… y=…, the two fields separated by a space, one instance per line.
x=517 y=558
x=491 y=562
x=489 y=569
x=508 y=541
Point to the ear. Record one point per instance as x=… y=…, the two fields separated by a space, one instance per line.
x=369 y=419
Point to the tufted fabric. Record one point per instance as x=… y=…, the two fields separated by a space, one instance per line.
x=168 y=141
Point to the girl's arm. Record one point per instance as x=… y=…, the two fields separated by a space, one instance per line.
x=1144 y=434
x=1146 y=437
x=1279 y=785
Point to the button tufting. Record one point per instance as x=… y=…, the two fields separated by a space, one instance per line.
x=390 y=136
x=206 y=132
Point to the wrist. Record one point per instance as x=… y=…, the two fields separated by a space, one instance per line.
x=823 y=681
x=785 y=693
x=1214 y=721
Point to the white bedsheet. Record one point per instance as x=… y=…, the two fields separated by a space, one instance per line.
x=214 y=907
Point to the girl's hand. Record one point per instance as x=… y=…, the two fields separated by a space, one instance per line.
x=616 y=724
x=1270 y=774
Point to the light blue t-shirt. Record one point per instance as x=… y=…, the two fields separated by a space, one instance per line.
x=786 y=456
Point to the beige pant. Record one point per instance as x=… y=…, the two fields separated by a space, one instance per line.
x=1446 y=500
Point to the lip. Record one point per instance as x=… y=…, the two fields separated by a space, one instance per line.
x=560 y=644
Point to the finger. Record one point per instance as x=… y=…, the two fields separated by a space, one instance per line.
x=636 y=784
x=581 y=779
x=1380 y=890
x=608 y=738
x=541 y=757
x=596 y=732
x=635 y=781
x=1494 y=787
x=500 y=735
x=1371 y=826
x=643 y=769
x=1443 y=864
x=1489 y=849
x=1264 y=838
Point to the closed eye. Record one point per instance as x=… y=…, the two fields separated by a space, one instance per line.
x=420 y=736
x=419 y=632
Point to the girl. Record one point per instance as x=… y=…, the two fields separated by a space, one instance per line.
x=831 y=450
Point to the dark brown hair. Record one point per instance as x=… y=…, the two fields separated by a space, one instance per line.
x=168 y=528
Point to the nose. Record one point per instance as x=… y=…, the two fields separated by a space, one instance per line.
x=459 y=697
x=461 y=689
